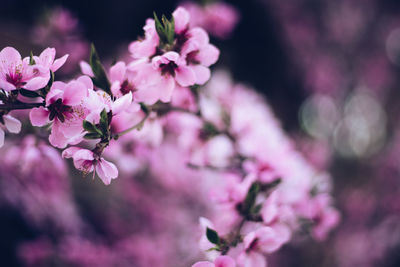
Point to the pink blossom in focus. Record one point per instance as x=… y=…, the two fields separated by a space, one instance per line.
x=86 y=161
x=16 y=72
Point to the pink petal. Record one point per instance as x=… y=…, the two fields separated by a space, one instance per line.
x=171 y=56
x=56 y=137
x=39 y=116
x=74 y=93
x=54 y=94
x=208 y=55
x=252 y=259
x=37 y=83
x=115 y=88
x=58 y=63
x=168 y=85
x=185 y=76
x=86 y=69
x=9 y=56
x=181 y=19
x=6 y=85
x=121 y=103
x=203 y=264
x=202 y=73
x=71 y=128
x=70 y=152
x=199 y=35
x=86 y=81
x=117 y=72
x=224 y=261
x=12 y=124
x=81 y=159
x=47 y=57
x=106 y=171
x=1 y=137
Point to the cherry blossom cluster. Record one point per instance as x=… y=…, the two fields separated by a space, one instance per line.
x=262 y=190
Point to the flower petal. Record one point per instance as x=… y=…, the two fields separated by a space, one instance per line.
x=6 y=85
x=106 y=171
x=181 y=19
x=12 y=124
x=39 y=116
x=70 y=152
x=9 y=55
x=208 y=55
x=117 y=72
x=86 y=81
x=74 y=92
x=121 y=103
x=1 y=137
x=37 y=83
x=203 y=264
x=86 y=69
x=202 y=73
x=224 y=261
x=185 y=76
x=59 y=62
x=47 y=57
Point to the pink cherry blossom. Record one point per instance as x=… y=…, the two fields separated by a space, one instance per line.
x=86 y=161
x=16 y=72
x=48 y=61
x=145 y=47
x=64 y=107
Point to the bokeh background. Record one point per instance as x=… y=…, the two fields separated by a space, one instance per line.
x=330 y=71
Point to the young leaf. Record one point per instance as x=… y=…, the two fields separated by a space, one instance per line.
x=28 y=93
x=92 y=136
x=171 y=31
x=91 y=128
x=104 y=118
x=165 y=29
x=212 y=236
x=250 y=199
x=159 y=27
x=31 y=60
x=100 y=77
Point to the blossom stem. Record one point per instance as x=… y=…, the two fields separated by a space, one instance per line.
x=20 y=106
x=138 y=126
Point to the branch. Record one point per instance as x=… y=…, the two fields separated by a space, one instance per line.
x=20 y=106
x=136 y=126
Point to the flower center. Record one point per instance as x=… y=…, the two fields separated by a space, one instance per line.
x=168 y=68
x=59 y=110
x=15 y=78
x=126 y=87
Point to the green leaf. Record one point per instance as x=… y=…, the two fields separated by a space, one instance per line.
x=256 y=209
x=270 y=186
x=104 y=118
x=28 y=93
x=91 y=128
x=100 y=77
x=171 y=31
x=31 y=60
x=159 y=26
x=92 y=136
x=250 y=199
x=165 y=29
x=212 y=236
